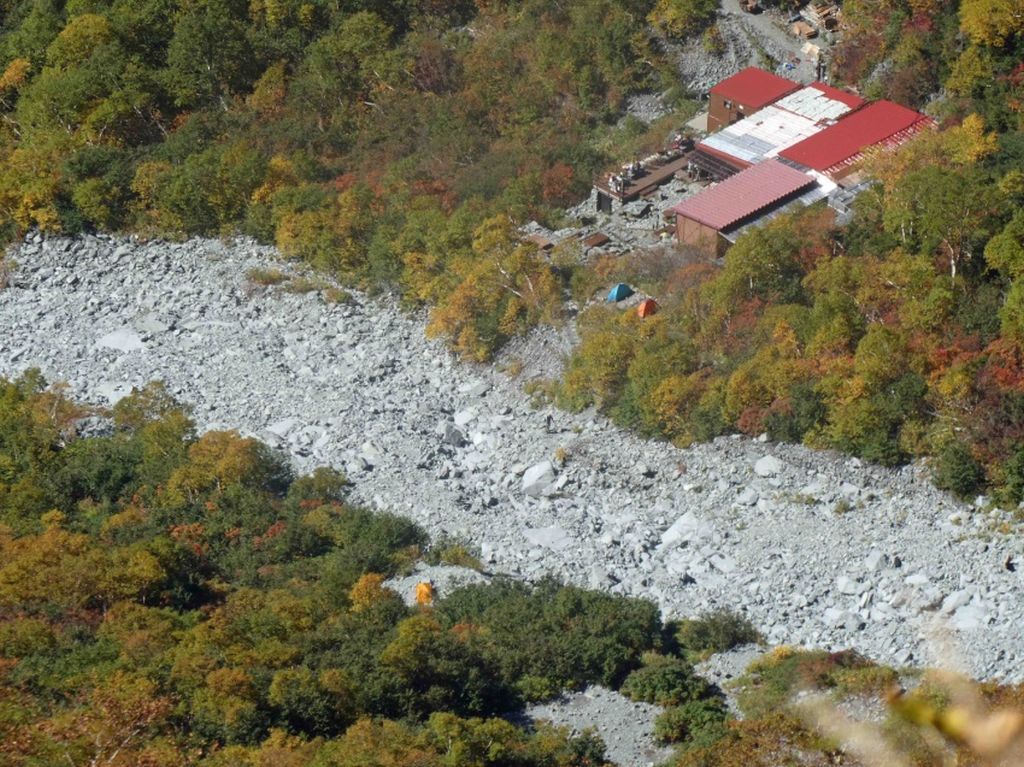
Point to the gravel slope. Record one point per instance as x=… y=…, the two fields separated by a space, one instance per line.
x=816 y=548
x=744 y=37
x=626 y=726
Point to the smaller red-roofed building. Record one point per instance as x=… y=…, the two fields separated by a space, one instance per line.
x=702 y=221
x=743 y=94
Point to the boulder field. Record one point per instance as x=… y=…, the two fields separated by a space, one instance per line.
x=817 y=549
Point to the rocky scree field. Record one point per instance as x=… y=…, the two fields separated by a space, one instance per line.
x=815 y=548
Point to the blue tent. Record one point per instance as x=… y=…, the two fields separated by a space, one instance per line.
x=619 y=292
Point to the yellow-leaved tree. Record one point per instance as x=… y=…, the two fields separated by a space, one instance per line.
x=502 y=288
x=218 y=459
x=992 y=22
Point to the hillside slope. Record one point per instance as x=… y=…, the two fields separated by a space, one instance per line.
x=816 y=548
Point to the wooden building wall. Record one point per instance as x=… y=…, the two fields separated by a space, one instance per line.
x=722 y=112
x=700 y=236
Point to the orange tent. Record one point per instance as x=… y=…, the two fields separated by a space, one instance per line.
x=647 y=307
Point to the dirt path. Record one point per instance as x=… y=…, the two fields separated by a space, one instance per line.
x=746 y=40
x=771 y=26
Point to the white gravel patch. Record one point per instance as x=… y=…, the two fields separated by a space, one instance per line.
x=626 y=726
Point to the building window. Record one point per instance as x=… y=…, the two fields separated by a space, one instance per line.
x=728 y=104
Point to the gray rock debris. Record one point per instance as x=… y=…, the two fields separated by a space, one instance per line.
x=122 y=340
x=723 y=669
x=357 y=386
x=537 y=478
x=768 y=466
x=626 y=726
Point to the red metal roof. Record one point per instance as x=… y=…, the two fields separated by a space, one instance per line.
x=851 y=100
x=754 y=87
x=744 y=194
x=877 y=123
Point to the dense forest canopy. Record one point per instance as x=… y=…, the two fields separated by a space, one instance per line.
x=372 y=139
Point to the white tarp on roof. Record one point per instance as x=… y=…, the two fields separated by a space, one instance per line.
x=762 y=135
x=814 y=104
x=780 y=125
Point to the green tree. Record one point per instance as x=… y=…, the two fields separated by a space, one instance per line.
x=312 y=704
x=38 y=28
x=680 y=18
x=343 y=71
x=209 y=58
x=438 y=671
x=665 y=681
x=949 y=211
x=992 y=23
x=957 y=470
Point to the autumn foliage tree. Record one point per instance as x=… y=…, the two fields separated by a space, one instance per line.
x=501 y=287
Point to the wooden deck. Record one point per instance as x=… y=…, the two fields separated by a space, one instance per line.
x=653 y=177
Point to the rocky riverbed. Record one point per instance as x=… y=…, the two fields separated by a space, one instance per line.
x=816 y=548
